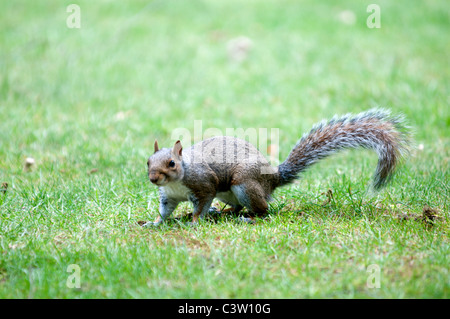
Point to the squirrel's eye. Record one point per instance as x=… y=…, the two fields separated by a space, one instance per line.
x=172 y=164
x=148 y=163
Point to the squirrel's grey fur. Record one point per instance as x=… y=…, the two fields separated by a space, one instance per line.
x=235 y=172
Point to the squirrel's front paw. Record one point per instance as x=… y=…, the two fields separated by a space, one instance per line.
x=151 y=224
x=158 y=221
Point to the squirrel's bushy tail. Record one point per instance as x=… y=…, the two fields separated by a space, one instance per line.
x=375 y=129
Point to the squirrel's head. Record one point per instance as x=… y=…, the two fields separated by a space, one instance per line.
x=165 y=165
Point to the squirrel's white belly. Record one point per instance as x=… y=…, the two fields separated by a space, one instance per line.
x=177 y=190
x=227 y=197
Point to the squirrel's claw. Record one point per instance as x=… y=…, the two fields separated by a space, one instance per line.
x=148 y=224
x=151 y=224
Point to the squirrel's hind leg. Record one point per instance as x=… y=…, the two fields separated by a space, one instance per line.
x=251 y=195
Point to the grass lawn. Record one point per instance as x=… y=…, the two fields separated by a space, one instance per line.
x=87 y=104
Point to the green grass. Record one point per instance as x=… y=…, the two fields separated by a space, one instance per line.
x=88 y=103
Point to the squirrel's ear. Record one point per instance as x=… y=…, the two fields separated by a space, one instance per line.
x=177 y=148
x=156 y=146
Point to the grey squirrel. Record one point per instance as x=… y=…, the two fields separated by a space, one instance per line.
x=236 y=173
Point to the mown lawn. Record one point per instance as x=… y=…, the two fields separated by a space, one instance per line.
x=87 y=103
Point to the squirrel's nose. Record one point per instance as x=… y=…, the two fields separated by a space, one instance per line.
x=153 y=179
